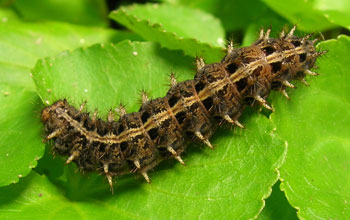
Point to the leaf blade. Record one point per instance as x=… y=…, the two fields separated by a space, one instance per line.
x=163 y=25
x=20 y=147
x=316 y=126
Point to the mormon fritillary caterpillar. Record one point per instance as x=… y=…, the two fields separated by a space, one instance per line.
x=192 y=109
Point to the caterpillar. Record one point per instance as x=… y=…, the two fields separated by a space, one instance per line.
x=191 y=110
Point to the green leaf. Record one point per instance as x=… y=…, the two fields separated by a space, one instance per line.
x=303 y=13
x=316 y=124
x=7 y=15
x=90 y=74
x=20 y=147
x=21 y=45
x=83 y=12
x=277 y=207
x=236 y=176
x=37 y=198
x=337 y=12
x=195 y=32
x=235 y=14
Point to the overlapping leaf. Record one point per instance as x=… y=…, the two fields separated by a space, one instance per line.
x=83 y=12
x=302 y=13
x=336 y=12
x=176 y=27
x=21 y=45
x=235 y=14
x=316 y=124
x=277 y=207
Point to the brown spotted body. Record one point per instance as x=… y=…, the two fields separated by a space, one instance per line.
x=192 y=109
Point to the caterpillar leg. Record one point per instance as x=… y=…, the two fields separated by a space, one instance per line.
x=284 y=93
x=74 y=155
x=176 y=156
x=288 y=84
x=206 y=141
x=54 y=134
x=145 y=175
x=109 y=177
x=263 y=102
x=235 y=122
